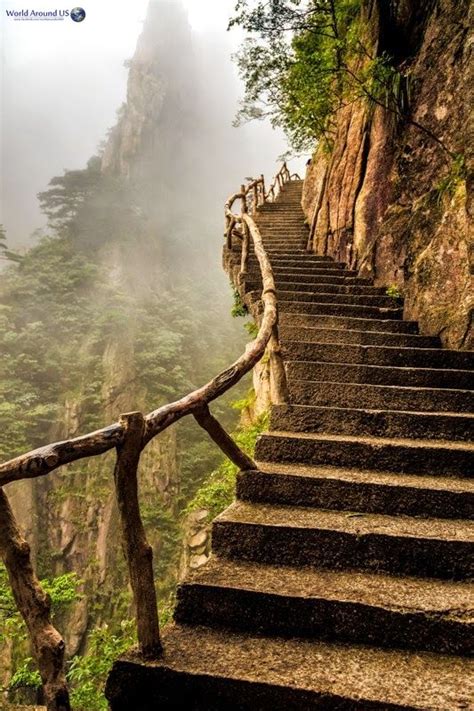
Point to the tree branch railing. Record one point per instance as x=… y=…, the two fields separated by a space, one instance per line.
x=253 y=196
x=129 y=437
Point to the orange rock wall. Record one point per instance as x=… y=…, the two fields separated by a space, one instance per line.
x=373 y=201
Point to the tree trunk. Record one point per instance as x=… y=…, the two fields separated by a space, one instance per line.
x=34 y=606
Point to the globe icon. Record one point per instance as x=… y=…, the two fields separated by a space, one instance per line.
x=78 y=14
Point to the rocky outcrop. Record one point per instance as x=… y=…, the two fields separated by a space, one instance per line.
x=389 y=199
x=158 y=83
x=196 y=541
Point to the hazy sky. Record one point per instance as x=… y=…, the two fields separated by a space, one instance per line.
x=61 y=84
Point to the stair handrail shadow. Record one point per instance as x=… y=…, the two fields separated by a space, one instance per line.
x=129 y=436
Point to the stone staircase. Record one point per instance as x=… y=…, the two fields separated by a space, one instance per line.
x=340 y=576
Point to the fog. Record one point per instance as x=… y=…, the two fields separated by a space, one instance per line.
x=126 y=306
x=62 y=83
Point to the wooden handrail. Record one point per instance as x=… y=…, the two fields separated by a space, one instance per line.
x=129 y=436
x=46 y=459
x=256 y=189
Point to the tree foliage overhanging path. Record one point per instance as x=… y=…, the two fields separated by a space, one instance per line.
x=305 y=60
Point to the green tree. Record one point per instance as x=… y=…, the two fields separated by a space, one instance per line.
x=294 y=64
x=5 y=252
x=305 y=60
x=66 y=194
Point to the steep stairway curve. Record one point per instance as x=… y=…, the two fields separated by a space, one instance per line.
x=340 y=577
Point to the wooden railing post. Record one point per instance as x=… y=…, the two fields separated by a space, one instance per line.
x=215 y=430
x=34 y=606
x=138 y=552
x=245 y=232
x=278 y=380
x=262 y=182
x=228 y=231
x=255 y=198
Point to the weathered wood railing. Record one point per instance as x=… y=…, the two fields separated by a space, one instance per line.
x=129 y=437
x=252 y=196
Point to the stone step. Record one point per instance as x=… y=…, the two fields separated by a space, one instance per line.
x=290 y=205
x=358 y=490
x=291 y=239
x=278 y=208
x=297 y=261
x=207 y=669
x=284 y=201
x=332 y=277
x=290 y=202
x=322 y=309
x=279 y=218
x=373 y=423
x=295 y=243
x=273 y=222
x=286 y=236
x=319 y=269
x=279 y=212
x=288 y=233
x=278 y=266
x=283 y=232
x=290 y=198
x=322 y=297
x=292 y=253
x=380 y=355
x=341 y=540
x=272 y=225
x=409 y=456
x=287 y=286
x=380 y=397
x=380 y=374
x=382 y=325
x=285 y=244
x=365 y=338
x=366 y=608
x=290 y=210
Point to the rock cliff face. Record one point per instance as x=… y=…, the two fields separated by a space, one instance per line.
x=162 y=102
x=377 y=200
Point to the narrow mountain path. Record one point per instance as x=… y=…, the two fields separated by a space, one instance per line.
x=340 y=577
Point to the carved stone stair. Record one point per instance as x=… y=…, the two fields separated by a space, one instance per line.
x=341 y=576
